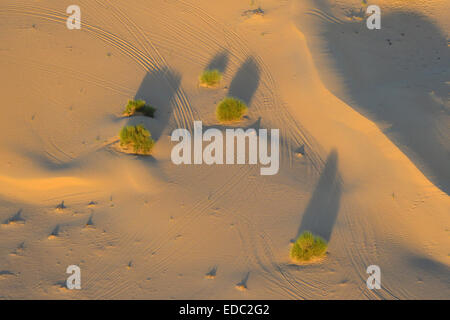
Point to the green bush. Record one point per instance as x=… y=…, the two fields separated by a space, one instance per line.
x=134 y=106
x=138 y=138
x=307 y=246
x=230 y=109
x=210 y=78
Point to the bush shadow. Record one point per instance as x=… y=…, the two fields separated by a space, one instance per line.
x=243 y=283
x=158 y=88
x=219 y=61
x=245 y=82
x=323 y=207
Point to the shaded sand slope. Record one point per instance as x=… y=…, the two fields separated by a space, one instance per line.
x=141 y=227
x=397 y=76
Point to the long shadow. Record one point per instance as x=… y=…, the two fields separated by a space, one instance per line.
x=219 y=61
x=158 y=89
x=49 y=162
x=17 y=217
x=243 y=283
x=323 y=207
x=245 y=81
x=430 y=266
x=396 y=76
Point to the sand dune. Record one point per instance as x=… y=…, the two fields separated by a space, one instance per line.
x=364 y=132
x=397 y=77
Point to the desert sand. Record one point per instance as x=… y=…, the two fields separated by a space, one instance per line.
x=364 y=120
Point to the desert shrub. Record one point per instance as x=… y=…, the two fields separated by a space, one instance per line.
x=230 y=109
x=134 y=106
x=308 y=246
x=210 y=78
x=138 y=138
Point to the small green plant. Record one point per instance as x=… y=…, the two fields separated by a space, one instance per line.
x=138 y=138
x=230 y=109
x=307 y=247
x=134 y=106
x=210 y=78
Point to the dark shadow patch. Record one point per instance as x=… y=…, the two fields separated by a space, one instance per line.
x=55 y=231
x=49 y=162
x=90 y=222
x=61 y=284
x=158 y=88
x=402 y=82
x=61 y=206
x=212 y=273
x=219 y=61
x=245 y=81
x=431 y=267
x=323 y=207
x=17 y=218
x=243 y=284
x=300 y=150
